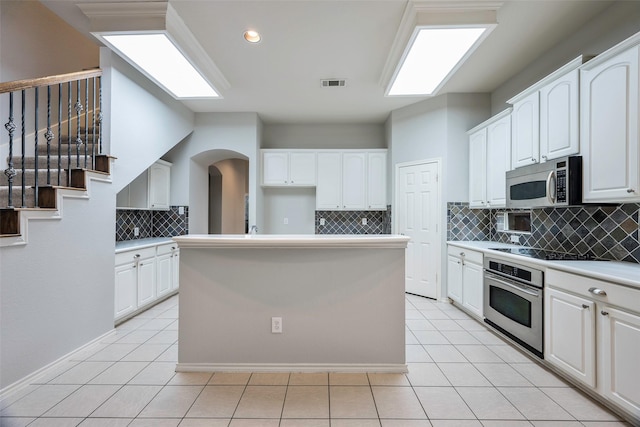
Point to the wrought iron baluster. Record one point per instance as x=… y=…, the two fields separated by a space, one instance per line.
x=35 y=126
x=59 y=131
x=100 y=116
x=10 y=172
x=79 y=109
x=86 y=120
x=48 y=135
x=69 y=95
x=93 y=125
x=24 y=146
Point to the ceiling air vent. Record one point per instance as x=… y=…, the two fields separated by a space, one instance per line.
x=333 y=82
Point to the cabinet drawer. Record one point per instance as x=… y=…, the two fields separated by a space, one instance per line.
x=469 y=255
x=167 y=248
x=129 y=256
x=618 y=295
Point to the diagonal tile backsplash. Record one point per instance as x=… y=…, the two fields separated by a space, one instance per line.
x=167 y=223
x=609 y=232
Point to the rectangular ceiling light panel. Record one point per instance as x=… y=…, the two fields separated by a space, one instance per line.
x=158 y=57
x=433 y=54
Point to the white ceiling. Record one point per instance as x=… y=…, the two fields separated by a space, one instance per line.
x=308 y=40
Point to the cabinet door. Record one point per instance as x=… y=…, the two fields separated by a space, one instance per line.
x=559 y=113
x=569 y=338
x=354 y=178
x=377 y=181
x=609 y=129
x=525 y=131
x=329 y=186
x=275 y=168
x=478 y=169
x=175 y=269
x=454 y=278
x=472 y=287
x=159 y=184
x=125 y=290
x=498 y=161
x=302 y=168
x=620 y=348
x=163 y=274
x=146 y=281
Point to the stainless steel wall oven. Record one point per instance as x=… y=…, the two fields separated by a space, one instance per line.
x=513 y=302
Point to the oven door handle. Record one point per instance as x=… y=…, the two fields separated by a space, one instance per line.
x=511 y=285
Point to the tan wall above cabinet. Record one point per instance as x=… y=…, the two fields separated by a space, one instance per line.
x=150 y=190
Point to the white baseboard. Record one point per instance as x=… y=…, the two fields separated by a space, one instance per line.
x=33 y=377
x=292 y=367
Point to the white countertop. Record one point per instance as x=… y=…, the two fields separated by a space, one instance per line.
x=292 y=241
x=128 y=245
x=623 y=273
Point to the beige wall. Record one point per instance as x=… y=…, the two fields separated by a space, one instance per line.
x=235 y=184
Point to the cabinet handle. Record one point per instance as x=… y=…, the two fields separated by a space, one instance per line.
x=597 y=291
x=585 y=306
x=173 y=248
x=136 y=256
x=534 y=160
x=544 y=157
x=630 y=190
x=604 y=313
x=462 y=254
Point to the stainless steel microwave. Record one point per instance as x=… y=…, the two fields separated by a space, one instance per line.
x=557 y=182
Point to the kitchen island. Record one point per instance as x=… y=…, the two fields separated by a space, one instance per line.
x=303 y=303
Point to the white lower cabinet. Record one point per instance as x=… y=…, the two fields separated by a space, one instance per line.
x=142 y=276
x=570 y=334
x=620 y=338
x=465 y=279
x=592 y=333
x=126 y=292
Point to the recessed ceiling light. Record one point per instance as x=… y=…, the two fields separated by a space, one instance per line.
x=432 y=56
x=252 y=36
x=158 y=57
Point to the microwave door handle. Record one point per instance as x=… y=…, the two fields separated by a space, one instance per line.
x=551 y=187
x=512 y=285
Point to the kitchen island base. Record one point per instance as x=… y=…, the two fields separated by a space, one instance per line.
x=341 y=303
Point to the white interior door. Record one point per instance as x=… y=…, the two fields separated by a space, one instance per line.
x=417 y=213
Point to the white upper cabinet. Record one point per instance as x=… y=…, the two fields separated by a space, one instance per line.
x=559 y=117
x=150 y=190
x=329 y=189
x=489 y=160
x=609 y=125
x=288 y=168
x=525 y=127
x=352 y=180
x=498 y=160
x=478 y=168
x=545 y=120
x=377 y=180
x=159 y=185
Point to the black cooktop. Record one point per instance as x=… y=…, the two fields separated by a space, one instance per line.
x=548 y=255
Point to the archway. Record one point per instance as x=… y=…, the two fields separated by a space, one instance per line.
x=228 y=191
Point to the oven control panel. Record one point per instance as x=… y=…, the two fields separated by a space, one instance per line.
x=524 y=274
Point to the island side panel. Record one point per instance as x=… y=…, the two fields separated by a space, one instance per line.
x=338 y=306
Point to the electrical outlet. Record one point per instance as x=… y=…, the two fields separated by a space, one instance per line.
x=322 y=221
x=286 y=221
x=136 y=231
x=276 y=325
x=515 y=238
x=364 y=221
x=180 y=210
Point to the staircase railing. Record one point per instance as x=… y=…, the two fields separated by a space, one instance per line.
x=72 y=109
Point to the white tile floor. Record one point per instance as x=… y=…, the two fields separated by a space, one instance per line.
x=460 y=374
